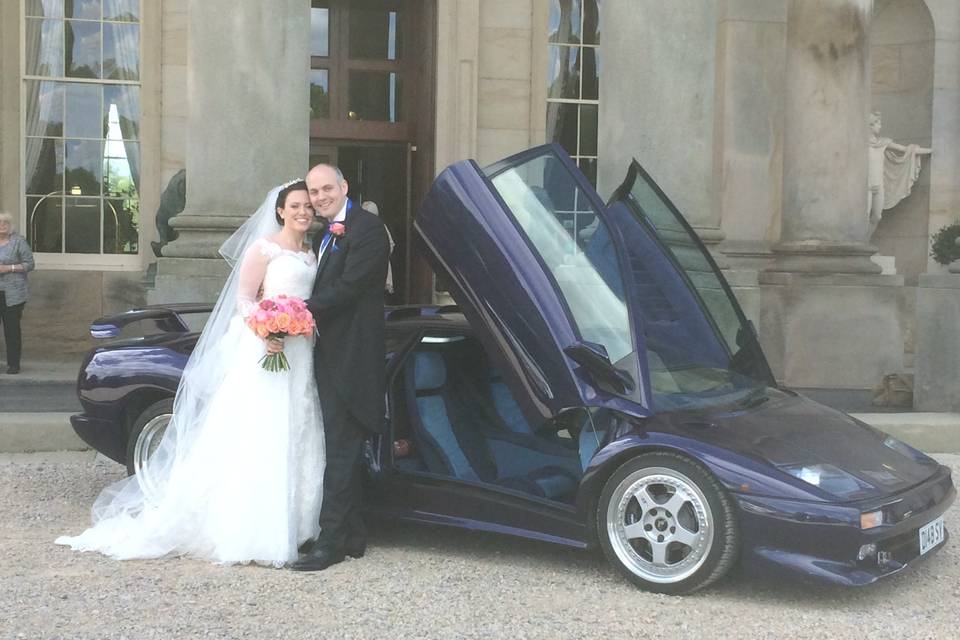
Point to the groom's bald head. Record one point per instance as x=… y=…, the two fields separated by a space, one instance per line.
x=328 y=190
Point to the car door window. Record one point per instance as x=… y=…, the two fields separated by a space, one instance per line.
x=574 y=243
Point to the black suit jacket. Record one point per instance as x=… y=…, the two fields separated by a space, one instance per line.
x=347 y=305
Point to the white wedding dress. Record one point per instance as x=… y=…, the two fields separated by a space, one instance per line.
x=249 y=485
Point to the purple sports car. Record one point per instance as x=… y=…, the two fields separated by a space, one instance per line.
x=597 y=385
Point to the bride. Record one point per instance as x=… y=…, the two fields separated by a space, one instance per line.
x=238 y=475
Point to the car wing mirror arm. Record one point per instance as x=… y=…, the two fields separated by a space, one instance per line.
x=593 y=358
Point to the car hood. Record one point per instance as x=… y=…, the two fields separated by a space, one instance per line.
x=788 y=430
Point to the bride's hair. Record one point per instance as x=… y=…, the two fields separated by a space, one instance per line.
x=299 y=185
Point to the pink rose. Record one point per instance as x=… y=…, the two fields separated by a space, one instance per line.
x=338 y=229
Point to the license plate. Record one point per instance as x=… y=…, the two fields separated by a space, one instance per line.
x=931 y=535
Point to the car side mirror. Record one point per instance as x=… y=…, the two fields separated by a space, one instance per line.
x=593 y=357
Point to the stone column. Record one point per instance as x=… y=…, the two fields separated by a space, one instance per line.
x=657 y=101
x=247 y=130
x=824 y=219
x=828 y=319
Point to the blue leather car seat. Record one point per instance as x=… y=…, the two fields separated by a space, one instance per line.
x=452 y=443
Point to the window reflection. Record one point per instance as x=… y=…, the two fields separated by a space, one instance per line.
x=575 y=245
x=44 y=47
x=44 y=108
x=45 y=224
x=82 y=232
x=83 y=9
x=121 y=51
x=121 y=10
x=83 y=111
x=564 y=21
x=82 y=47
x=320 y=31
x=44 y=165
x=374 y=96
x=83 y=167
x=46 y=8
x=319 y=93
x=373 y=34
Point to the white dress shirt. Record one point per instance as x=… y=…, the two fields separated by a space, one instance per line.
x=340 y=217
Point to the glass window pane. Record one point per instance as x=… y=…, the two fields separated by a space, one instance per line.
x=120 y=225
x=43 y=166
x=121 y=51
x=588 y=166
x=44 y=108
x=121 y=163
x=319 y=93
x=563 y=72
x=591 y=22
x=44 y=47
x=82 y=232
x=588 y=130
x=82 y=48
x=121 y=10
x=45 y=224
x=374 y=34
x=83 y=165
x=319 y=32
x=374 y=95
x=564 y=21
x=690 y=257
x=84 y=9
x=591 y=73
x=121 y=104
x=580 y=256
x=83 y=111
x=45 y=8
x=562 y=125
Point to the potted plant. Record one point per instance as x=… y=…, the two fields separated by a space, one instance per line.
x=945 y=246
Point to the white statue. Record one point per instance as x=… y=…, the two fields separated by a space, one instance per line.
x=891 y=171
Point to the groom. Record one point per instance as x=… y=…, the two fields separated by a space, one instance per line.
x=349 y=355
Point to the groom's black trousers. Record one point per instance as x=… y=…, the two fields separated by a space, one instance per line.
x=341 y=525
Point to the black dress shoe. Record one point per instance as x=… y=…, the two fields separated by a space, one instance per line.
x=13 y=369
x=317 y=560
x=355 y=551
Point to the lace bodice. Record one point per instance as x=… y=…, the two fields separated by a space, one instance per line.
x=278 y=270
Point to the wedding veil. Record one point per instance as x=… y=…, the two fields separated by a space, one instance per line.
x=202 y=376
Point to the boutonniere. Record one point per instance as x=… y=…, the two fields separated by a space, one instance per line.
x=337 y=232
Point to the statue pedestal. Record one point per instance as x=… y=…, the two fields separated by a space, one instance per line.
x=837 y=331
x=887 y=263
x=937 y=374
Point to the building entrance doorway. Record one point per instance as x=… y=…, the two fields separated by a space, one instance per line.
x=372 y=106
x=379 y=174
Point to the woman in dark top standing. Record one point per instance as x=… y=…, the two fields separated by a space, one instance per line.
x=16 y=260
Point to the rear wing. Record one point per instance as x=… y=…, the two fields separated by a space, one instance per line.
x=167 y=318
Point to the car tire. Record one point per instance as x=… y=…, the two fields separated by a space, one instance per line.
x=145 y=433
x=667 y=524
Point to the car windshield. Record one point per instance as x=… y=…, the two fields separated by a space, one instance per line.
x=699 y=350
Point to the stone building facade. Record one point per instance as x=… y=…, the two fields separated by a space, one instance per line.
x=750 y=113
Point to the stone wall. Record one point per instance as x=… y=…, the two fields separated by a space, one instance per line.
x=10 y=107
x=62 y=304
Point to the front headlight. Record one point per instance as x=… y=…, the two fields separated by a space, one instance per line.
x=828 y=477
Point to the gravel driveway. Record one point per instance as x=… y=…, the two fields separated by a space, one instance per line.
x=415 y=582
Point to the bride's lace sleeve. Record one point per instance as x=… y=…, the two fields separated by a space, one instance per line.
x=253 y=268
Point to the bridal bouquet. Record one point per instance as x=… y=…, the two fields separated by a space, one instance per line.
x=280 y=317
